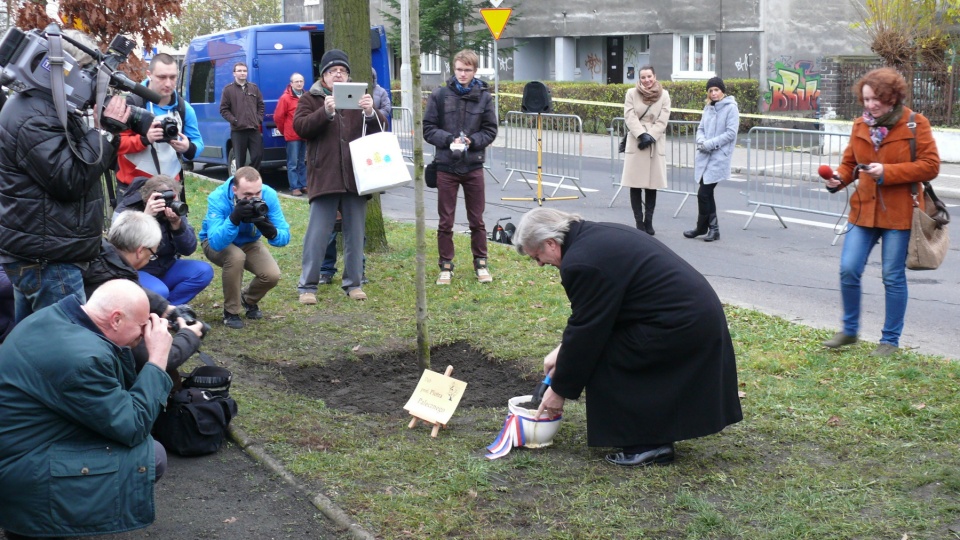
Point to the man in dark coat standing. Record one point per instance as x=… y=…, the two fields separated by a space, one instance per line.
x=647 y=338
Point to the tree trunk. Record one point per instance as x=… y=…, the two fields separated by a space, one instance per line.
x=347 y=27
x=423 y=331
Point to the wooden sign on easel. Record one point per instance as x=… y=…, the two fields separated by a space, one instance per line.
x=435 y=399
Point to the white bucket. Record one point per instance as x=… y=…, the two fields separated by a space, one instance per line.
x=537 y=432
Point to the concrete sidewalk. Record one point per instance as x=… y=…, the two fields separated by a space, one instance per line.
x=599 y=146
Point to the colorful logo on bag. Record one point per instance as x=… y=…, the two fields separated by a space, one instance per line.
x=378 y=159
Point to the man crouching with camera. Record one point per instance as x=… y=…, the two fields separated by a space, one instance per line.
x=239 y=212
x=168 y=273
x=51 y=200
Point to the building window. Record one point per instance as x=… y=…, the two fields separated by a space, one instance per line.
x=696 y=56
x=431 y=63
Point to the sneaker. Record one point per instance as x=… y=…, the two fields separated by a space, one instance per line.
x=308 y=299
x=483 y=275
x=357 y=294
x=839 y=340
x=325 y=279
x=253 y=310
x=232 y=320
x=884 y=349
x=446 y=273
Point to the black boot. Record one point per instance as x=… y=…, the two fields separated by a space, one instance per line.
x=649 y=206
x=701 y=227
x=714 y=232
x=636 y=203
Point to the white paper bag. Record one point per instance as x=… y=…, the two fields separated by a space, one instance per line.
x=377 y=163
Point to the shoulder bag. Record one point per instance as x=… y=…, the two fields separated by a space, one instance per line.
x=929 y=238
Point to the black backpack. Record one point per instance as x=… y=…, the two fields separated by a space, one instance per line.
x=197 y=415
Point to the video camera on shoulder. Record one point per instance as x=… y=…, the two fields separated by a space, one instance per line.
x=26 y=65
x=180 y=208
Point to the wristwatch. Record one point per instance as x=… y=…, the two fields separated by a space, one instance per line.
x=106 y=134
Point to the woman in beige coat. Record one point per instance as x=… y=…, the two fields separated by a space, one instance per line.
x=646 y=109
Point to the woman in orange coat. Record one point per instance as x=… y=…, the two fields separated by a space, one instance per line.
x=881 y=208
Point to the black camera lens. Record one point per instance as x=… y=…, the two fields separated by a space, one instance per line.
x=139 y=120
x=170 y=200
x=260 y=208
x=170 y=129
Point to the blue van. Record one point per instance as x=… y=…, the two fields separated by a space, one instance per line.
x=272 y=53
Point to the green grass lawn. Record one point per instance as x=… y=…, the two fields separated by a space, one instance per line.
x=833 y=444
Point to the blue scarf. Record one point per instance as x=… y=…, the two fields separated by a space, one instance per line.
x=464 y=90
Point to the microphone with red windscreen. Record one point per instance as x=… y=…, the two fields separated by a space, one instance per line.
x=826 y=172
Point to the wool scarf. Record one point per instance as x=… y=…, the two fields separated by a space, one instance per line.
x=880 y=126
x=650 y=95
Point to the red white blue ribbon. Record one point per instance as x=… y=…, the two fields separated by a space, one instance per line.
x=511 y=435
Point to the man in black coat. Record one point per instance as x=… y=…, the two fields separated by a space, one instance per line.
x=647 y=338
x=51 y=198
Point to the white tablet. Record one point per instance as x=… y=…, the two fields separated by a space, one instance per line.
x=347 y=95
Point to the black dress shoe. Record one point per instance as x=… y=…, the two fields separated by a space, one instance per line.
x=658 y=456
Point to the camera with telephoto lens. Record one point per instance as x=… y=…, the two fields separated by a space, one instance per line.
x=170 y=128
x=179 y=208
x=189 y=317
x=26 y=65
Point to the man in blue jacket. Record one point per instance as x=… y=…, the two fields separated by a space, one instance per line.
x=76 y=455
x=239 y=212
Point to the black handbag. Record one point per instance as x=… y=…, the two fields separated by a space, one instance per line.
x=430 y=175
x=197 y=415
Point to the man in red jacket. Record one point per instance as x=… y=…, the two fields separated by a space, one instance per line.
x=296 y=147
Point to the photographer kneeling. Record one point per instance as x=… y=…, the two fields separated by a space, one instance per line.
x=129 y=246
x=239 y=212
x=176 y=279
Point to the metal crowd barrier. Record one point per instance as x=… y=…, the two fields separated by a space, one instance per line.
x=782 y=171
x=402 y=126
x=681 y=152
x=560 y=142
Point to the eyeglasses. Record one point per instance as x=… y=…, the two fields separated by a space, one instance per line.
x=153 y=254
x=464 y=70
x=341 y=72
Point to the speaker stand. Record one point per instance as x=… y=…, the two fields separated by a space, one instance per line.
x=540 y=199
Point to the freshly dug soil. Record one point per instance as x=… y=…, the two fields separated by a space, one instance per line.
x=383 y=384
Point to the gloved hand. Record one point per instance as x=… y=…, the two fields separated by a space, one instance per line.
x=267 y=228
x=645 y=140
x=242 y=211
x=701 y=147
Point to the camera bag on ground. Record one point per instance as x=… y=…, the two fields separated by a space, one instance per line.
x=198 y=412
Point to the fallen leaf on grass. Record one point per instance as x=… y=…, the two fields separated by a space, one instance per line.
x=833 y=421
x=541 y=319
x=741 y=394
x=919 y=406
x=357 y=348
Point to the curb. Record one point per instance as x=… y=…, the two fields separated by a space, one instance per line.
x=326 y=507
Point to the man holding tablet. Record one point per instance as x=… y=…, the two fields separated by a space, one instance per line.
x=328 y=129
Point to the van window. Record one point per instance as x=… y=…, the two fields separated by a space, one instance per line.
x=201 y=83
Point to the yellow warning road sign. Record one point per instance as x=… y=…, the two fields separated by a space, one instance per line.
x=496 y=19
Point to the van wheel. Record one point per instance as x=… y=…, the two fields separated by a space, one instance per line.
x=232 y=163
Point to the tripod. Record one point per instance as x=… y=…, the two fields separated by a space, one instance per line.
x=539 y=199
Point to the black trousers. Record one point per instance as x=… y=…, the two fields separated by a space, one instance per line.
x=247 y=140
x=706 y=204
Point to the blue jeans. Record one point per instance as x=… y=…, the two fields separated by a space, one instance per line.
x=297 y=164
x=857 y=244
x=36 y=286
x=182 y=282
x=329 y=265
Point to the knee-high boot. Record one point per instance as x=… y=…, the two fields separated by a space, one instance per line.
x=714 y=232
x=649 y=206
x=636 y=203
x=703 y=216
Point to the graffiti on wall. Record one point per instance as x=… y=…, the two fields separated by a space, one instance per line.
x=793 y=87
x=594 y=64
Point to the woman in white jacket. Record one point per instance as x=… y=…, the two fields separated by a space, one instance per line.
x=646 y=110
x=716 y=138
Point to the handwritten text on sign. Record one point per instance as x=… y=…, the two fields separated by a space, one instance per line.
x=436 y=397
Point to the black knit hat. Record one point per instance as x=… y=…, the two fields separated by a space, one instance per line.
x=334 y=57
x=713 y=82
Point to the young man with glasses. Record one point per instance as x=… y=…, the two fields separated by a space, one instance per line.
x=241 y=104
x=461 y=122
